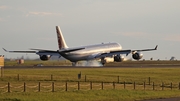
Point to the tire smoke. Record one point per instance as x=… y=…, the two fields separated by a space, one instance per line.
x=93 y=63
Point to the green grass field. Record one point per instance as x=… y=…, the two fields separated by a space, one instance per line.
x=97 y=75
x=94 y=95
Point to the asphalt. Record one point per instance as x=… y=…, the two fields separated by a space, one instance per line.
x=121 y=66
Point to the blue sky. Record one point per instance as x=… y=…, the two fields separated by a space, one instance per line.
x=135 y=24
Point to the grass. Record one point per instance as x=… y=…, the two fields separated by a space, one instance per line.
x=157 y=75
x=32 y=76
x=100 y=95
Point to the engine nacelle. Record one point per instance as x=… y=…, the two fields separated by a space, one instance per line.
x=107 y=60
x=44 y=57
x=118 y=58
x=137 y=55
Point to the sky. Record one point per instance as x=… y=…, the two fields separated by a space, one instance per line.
x=135 y=24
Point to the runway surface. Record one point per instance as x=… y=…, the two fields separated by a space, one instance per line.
x=123 y=66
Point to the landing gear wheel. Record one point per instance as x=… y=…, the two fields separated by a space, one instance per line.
x=74 y=63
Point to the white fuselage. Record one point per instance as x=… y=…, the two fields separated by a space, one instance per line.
x=90 y=51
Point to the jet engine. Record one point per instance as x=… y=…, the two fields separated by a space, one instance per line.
x=137 y=55
x=107 y=60
x=44 y=57
x=118 y=58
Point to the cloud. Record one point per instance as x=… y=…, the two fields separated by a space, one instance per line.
x=46 y=39
x=1 y=19
x=3 y=7
x=131 y=34
x=42 y=14
x=172 y=37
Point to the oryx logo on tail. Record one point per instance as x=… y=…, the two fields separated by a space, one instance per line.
x=60 y=38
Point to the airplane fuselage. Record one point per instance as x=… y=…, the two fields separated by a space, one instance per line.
x=91 y=51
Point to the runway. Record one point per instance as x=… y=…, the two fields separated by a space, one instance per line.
x=121 y=66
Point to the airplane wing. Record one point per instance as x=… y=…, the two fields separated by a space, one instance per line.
x=45 y=52
x=37 y=51
x=55 y=53
x=145 y=49
x=19 y=51
x=111 y=53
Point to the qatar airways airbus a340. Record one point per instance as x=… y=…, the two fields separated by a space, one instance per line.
x=105 y=52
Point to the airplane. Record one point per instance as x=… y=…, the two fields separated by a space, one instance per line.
x=105 y=52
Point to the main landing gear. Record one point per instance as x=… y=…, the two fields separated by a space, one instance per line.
x=74 y=63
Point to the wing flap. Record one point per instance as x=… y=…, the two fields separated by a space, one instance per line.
x=110 y=54
x=52 y=53
x=40 y=49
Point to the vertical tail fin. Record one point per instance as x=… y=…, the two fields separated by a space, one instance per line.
x=60 y=38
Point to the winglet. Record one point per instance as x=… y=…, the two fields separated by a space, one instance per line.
x=156 y=47
x=5 y=50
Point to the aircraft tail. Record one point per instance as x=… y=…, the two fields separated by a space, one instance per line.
x=60 y=38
